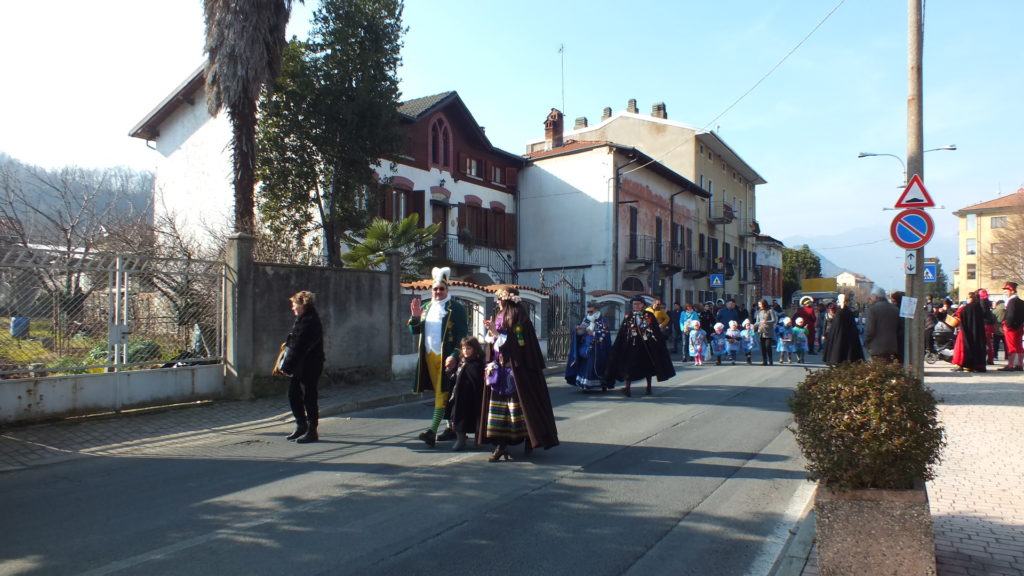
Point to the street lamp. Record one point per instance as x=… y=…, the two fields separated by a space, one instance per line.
x=900 y=160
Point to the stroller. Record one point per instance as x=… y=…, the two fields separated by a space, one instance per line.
x=942 y=347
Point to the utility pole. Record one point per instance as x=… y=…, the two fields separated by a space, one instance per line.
x=913 y=335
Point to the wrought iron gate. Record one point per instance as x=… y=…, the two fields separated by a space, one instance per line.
x=567 y=304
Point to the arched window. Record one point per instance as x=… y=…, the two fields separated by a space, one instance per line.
x=632 y=284
x=440 y=145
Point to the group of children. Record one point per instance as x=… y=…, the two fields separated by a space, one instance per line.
x=728 y=342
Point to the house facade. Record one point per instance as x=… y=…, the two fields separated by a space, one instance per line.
x=721 y=231
x=990 y=244
x=578 y=210
x=854 y=281
x=192 y=180
x=448 y=172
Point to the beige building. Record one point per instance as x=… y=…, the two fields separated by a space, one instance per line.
x=854 y=281
x=722 y=232
x=991 y=244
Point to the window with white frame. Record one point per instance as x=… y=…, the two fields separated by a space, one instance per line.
x=998 y=222
x=972 y=221
x=972 y=271
x=972 y=246
x=472 y=167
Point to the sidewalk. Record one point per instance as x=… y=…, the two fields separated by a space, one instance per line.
x=41 y=444
x=977 y=496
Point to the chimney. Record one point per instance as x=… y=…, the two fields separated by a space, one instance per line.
x=631 y=106
x=553 y=130
x=581 y=122
x=606 y=114
x=658 y=111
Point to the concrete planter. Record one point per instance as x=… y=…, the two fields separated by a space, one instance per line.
x=877 y=532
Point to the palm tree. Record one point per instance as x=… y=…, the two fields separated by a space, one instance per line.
x=244 y=40
x=383 y=236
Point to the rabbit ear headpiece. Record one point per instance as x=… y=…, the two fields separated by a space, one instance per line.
x=440 y=275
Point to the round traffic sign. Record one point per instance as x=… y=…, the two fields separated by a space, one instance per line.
x=912 y=228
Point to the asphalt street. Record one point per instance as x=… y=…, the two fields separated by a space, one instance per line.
x=700 y=478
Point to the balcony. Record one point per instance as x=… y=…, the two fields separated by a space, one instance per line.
x=644 y=248
x=456 y=252
x=694 y=265
x=721 y=213
x=722 y=266
x=749 y=228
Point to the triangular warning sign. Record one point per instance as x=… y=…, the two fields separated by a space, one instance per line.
x=914 y=195
x=928 y=274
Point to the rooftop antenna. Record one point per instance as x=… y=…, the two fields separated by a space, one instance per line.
x=561 y=53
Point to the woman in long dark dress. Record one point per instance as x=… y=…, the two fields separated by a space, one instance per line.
x=588 y=351
x=516 y=406
x=842 y=343
x=303 y=366
x=970 y=352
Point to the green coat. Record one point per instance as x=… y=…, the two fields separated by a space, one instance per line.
x=456 y=326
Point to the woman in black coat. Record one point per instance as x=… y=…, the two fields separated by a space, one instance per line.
x=303 y=364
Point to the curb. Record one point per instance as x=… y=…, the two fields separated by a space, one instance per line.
x=793 y=558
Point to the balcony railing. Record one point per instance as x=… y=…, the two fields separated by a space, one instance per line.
x=721 y=212
x=497 y=265
x=749 y=228
x=644 y=248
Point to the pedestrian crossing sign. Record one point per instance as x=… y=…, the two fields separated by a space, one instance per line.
x=717 y=280
x=930 y=272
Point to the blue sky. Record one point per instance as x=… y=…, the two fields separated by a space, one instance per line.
x=80 y=89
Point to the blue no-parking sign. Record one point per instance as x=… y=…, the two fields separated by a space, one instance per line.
x=717 y=280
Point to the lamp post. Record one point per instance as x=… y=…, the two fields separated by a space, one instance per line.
x=903 y=165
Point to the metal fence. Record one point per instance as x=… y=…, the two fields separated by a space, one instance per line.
x=72 y=312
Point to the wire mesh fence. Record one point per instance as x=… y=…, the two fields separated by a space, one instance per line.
x=74 y=312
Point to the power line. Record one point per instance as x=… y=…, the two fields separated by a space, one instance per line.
x=776 y=67
x=752 y=88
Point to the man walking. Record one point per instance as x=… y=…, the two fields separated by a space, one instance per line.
x=882 y=334
x=1013 y=329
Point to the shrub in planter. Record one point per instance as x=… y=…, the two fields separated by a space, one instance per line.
x=867 y=425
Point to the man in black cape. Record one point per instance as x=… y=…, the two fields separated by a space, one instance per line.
x=639 y=351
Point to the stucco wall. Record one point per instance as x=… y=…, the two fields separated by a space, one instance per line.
x=565 y=214
x=353 y=307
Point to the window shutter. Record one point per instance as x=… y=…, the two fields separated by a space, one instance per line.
x=511 y=177
x=488 y=170
x=492 y=228
x=388 y=204
x=462 y=162
x=463 y=218
x=510 y=231
x=416 y=201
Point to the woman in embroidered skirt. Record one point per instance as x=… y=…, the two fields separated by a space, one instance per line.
x=516 y=405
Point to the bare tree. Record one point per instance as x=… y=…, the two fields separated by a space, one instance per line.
x=1003 y=258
